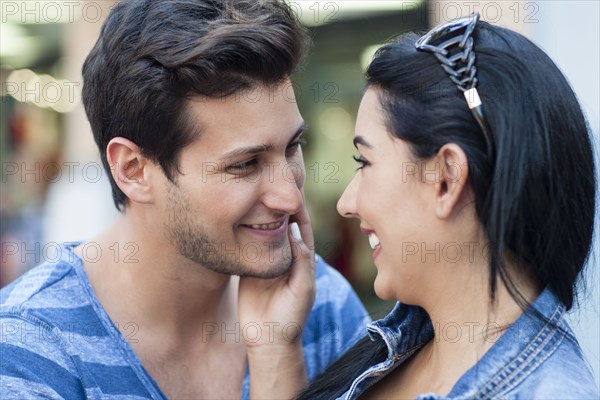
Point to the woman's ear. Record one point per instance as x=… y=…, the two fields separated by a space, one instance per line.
x=130 y=169
x=452 y=185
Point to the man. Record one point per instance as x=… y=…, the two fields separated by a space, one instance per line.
x=192 y=109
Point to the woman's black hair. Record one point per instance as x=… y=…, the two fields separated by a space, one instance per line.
x=535 y=200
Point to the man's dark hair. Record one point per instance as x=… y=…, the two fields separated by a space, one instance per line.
x=152 y=55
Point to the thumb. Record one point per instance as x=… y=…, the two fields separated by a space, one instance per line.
x=303 y=222
x=303 y=268
x=299 y=249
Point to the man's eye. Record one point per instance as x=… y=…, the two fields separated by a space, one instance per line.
x=363 y=163
x=296 y=145
x=243 y=166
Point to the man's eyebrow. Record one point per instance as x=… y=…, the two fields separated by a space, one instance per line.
x=361 y=140
x=260 y=148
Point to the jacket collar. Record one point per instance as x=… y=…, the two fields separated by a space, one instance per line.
x=407 y=328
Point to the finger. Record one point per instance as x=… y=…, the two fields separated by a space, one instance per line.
x=302 y=276
x=303 y=220
x=300 y=251
x=304 y=223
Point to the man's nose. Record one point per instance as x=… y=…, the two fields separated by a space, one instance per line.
x=284 y=188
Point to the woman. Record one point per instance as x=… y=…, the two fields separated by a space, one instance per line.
x=476 y=189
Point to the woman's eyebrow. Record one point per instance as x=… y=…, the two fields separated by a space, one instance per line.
x=361 y=140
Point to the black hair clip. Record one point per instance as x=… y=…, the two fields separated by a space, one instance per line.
x=452 y=45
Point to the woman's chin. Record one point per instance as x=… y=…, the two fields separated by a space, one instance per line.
x=383 y=291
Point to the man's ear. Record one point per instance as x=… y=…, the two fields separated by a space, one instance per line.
x=451 y=188
x=130 y=169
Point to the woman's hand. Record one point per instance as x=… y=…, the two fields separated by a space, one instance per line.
x=272 y=314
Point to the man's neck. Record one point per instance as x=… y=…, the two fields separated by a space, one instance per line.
x=140 y=279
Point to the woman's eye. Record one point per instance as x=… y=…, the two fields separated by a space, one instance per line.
x=361 y=161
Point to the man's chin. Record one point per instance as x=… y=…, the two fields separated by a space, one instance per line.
x=267 y=270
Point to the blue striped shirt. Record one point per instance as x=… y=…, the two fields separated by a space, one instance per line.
x=57 y=341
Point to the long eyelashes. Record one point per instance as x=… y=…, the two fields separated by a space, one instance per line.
x=361 y=161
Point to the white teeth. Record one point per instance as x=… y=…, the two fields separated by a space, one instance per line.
x=373 y=240
x=266 y=227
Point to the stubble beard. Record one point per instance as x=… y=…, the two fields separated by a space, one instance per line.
x=193 y=242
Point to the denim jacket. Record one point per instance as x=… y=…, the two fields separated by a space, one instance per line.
x=533 y=359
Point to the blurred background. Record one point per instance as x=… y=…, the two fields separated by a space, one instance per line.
x=53 y=185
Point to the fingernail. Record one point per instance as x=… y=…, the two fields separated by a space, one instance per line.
x=295 y=231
